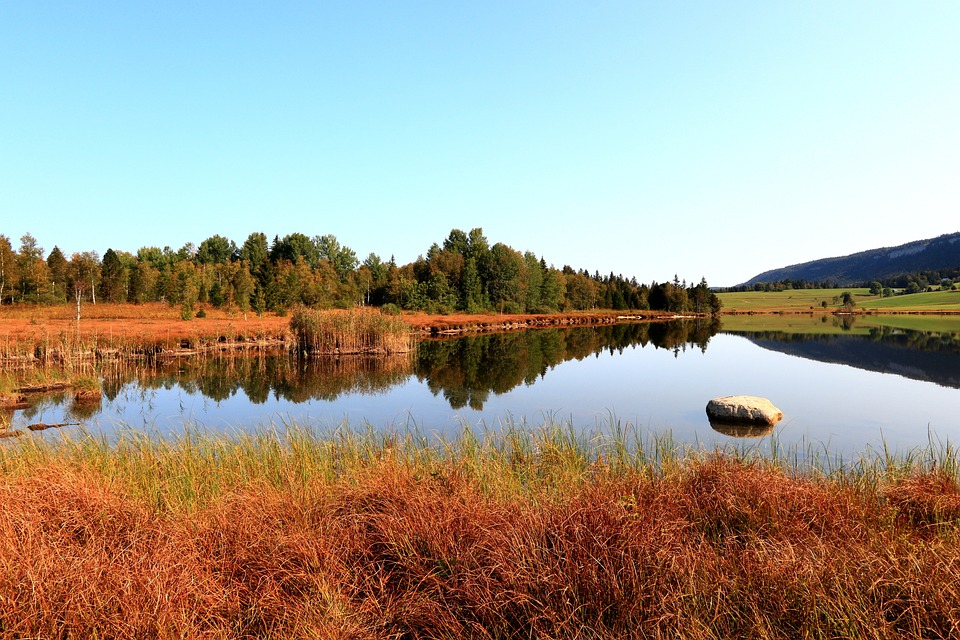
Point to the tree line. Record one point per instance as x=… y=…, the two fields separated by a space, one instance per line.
x=464 y=273
x=926 y=280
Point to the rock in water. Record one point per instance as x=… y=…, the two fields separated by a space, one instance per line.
x=744 y=409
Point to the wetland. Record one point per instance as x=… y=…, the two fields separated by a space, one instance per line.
x=846 y=384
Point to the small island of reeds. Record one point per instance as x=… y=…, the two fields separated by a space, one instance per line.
x=355 y=331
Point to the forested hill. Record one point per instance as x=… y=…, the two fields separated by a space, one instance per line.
x=877 y=264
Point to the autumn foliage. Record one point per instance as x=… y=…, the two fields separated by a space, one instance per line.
x=495 y=536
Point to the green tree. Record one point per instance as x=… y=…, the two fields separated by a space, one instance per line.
x=343 y=259
x=143 y=282
x=457 y=242
x=581 y=291
x=532 y=282
x=216 y=250
x=551 y=289
x=186 y=287
x=379 y=278
x=57 y=265
x=114 y=277
x=702 y=300
x=504 y=284
x=32 y=267
x=295 y=246
x=83 y=275
x=9 y=270
x=240 y=284
x=479 y=250
x=471 y=291
x=255 y=251
x=187 y=252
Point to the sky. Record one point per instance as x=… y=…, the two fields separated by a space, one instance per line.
x=647 y=139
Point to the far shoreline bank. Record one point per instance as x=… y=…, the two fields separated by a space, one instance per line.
x=52 y=336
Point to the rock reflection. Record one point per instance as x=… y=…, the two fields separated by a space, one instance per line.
x=740 y=429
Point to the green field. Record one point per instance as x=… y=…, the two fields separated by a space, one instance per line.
x=813 y=299
x=934 y=300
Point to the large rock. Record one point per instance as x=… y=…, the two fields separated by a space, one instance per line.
x=743 y=410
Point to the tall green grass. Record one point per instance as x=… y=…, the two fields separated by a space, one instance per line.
x=534 y=531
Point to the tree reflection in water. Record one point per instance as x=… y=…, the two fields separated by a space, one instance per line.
x=465 y=371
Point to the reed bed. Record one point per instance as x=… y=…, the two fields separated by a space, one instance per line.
x=50 y=336
x=296 y=532
x=361 y=330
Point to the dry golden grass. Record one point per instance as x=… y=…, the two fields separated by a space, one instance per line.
x=353 y=331
x=52 y=334
x=516 y=535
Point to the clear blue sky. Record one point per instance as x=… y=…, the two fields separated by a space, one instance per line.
x=716 y=139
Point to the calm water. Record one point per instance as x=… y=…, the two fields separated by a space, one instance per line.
x=841 y=388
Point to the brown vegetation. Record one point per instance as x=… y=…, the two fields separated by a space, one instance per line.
x=52 y=335
x=354 y=331
x=331 y=540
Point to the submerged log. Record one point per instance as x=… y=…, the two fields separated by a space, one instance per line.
x=44 y=388
x=40 y=426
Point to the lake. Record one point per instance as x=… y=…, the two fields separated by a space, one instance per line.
x=844 y=384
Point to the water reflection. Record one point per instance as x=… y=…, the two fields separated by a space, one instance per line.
x=929 y=356
x=466 y=371
x=265 y=377
x=657 y=375
x=741 y=430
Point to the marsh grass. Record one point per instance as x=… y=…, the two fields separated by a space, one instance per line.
x=50 y=336
x=352 y=331
x=521 y=531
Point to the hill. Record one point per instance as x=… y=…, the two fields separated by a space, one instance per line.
x=876 y=264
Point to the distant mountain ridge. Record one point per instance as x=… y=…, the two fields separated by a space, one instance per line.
x=942 y=252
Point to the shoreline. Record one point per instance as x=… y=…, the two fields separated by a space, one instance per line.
x=52 y=336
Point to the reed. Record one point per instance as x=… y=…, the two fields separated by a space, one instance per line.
x=362 y=330
x=518 y=531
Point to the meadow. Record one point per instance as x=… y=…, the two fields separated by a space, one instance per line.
x=798 y=300
x=534 y=532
